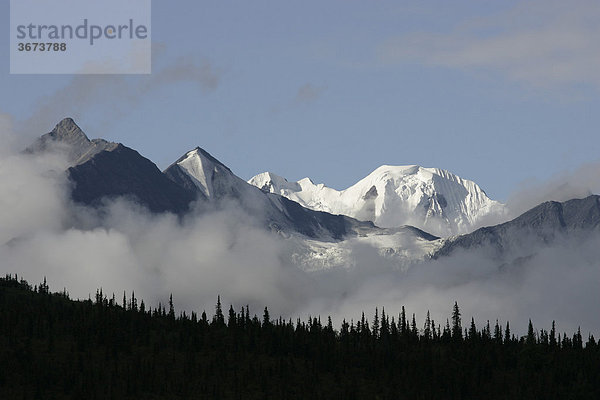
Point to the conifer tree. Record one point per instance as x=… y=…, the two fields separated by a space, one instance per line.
x=329 y=324
x=375 y=328
x=231 y=320
x=472 y=330
x=427 y=327
x=497 y=333
x=266 y=318
x=402 y=322
x=384 y=329
x=133 y=301
x=393 y=328
x=219 y=318
x=171 y=307
x=456 y=322
x=413 y=327
x=487 y=333
x=362 y=323
x=345 y=330
x=447 y=332
x=577 y=339
x=530 y=334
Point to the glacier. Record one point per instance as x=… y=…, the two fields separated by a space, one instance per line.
x=431 y=199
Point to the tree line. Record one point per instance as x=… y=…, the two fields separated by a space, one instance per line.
x=53 y=347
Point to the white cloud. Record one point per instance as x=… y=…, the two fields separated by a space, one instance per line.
x=540 y=43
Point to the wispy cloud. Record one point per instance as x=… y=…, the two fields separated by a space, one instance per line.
x=539 y=43
x=113 y=94
x=308 y=93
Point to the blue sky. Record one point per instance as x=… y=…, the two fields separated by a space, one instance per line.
x=500 y=92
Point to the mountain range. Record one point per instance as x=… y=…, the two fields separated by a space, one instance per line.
x=432 y=199
x=407 y=213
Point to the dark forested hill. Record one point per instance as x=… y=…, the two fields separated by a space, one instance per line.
x=52 y=347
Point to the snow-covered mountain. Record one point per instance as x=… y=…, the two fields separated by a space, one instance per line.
x=215 y=184
x=432 y=199
x=314 y=249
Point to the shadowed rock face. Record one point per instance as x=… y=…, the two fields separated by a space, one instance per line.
x=100 y=169
x=540 y=225
x=124 y=172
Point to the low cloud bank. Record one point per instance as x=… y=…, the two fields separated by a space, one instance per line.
x=225 y=252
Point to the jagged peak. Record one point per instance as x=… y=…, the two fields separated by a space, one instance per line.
x=264 y=176
x=267 y=181
x=68 y=139
x=67 y=129
x=204 y=157
x=307 y=180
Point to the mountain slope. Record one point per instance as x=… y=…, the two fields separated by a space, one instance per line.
x=542 y=225
x=429 y=198
x=101 y=169
x=124 y=172
x=200 y=171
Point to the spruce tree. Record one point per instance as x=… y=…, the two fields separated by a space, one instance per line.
x=266 y=318
x=231 y=320
x=376 y=324
x=456 y=322
x=472 y=330
x=171 y=307
x=497 y=333
x=530 y=334
x=219 y=318
x=553 y=335
x=402 y=322
x=427 y=327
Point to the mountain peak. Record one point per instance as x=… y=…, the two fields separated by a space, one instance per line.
x=267 y=180
x=198 y=170
x=432 y=199
x=204 y=157
x=68 y=131
x=68 y=139
x=67 y=123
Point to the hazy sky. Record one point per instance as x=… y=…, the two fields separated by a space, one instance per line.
x=498 y=92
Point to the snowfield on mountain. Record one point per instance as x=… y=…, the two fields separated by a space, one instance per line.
x=431 y=199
